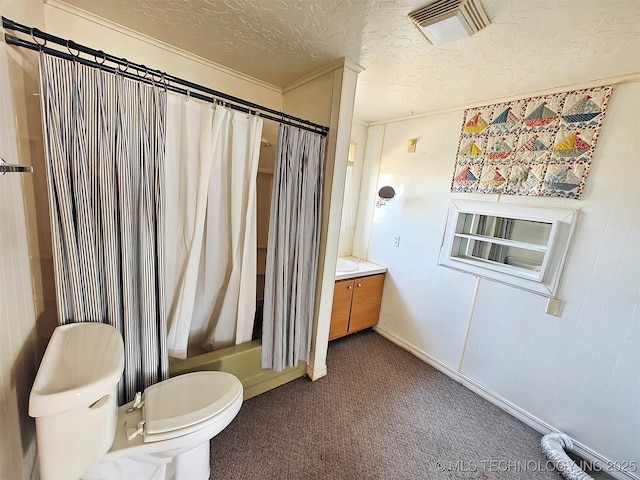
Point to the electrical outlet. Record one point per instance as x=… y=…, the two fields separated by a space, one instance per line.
x=396 y=241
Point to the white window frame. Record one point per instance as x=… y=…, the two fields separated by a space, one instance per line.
x=545 y=279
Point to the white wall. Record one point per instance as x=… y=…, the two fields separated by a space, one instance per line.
x=20 y=294
x=577 y=373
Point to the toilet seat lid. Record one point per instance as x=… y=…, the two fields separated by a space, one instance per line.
x=188 y=399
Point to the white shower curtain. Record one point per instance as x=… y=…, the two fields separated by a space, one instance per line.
x=211 y=166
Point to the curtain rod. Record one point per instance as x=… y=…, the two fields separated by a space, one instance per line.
x=147 y=75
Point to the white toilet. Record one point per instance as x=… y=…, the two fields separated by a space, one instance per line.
x=81 y=432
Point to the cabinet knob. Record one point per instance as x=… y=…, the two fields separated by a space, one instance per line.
x=359 y=284
x=348 y=287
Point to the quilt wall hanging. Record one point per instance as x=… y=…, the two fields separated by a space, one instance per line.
x=538 y=146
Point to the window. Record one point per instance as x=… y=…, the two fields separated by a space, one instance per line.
x=520 y=246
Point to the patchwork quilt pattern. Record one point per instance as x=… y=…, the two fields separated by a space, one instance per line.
x=539 y=146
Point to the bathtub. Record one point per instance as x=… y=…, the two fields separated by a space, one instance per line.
x=243 y=361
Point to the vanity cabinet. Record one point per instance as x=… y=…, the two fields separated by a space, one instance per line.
x=356 y=304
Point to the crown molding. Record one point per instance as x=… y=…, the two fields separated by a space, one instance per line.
x=72 y=10
x=617 y=80
x=330 y=67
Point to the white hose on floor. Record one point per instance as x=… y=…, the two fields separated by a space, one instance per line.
x=553 y=446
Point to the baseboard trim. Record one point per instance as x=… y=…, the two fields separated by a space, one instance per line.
x=579 y=449
x=316 y=373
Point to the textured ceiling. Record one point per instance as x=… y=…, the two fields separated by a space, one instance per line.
x=531 y=45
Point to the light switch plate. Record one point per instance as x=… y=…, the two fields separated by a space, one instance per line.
x=554 y=306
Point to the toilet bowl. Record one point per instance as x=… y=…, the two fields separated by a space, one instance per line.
x=82 y=433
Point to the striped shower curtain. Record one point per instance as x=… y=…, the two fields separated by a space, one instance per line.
x=293 y=246
x=104 y=146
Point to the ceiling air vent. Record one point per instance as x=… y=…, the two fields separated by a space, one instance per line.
x=444 y=21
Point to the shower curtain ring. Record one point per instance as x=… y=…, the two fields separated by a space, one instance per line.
x=126 y=67
x=40 y=45
x=69 y=49
x=104 y=58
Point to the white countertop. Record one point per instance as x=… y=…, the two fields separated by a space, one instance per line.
x=364 y=268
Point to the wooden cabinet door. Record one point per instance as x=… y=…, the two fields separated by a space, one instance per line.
x=341 y=309
x=365 y=307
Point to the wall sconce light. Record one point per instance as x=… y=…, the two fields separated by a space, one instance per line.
x=385 y=195
x=444 y=21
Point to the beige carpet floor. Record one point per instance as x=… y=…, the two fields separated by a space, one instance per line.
x=380 y=413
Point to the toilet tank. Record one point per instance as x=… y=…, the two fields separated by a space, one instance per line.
x=74 y=398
